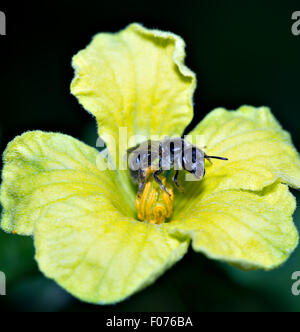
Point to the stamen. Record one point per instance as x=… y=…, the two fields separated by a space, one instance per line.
x=154 y=205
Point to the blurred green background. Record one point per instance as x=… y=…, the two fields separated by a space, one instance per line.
x=243 y=53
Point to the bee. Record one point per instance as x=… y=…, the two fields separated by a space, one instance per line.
x=156 y=157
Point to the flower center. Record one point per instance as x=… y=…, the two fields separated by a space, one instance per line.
x=154 y=205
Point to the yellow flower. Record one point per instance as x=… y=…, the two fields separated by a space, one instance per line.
x=84 y=220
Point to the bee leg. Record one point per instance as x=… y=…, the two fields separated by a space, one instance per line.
x=141 y=188
x=208 y=158
x=142 y=182
x=157 y=179
x=175 y=179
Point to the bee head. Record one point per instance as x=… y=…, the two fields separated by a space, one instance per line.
x=193 y=162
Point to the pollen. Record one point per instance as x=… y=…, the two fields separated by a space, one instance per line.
x=154 y=205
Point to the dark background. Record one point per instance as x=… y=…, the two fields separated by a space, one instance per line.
x=243 y=53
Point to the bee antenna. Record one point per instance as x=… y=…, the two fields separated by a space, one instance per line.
x=215 y=157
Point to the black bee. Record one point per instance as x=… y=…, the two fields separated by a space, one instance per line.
x=155 y=157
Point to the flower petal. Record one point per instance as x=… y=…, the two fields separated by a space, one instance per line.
x=259 y=151
x=98 y=254
x=240 y=212
x=86 y=236
x=135 y=79
x=43 y=168
x=248 y=229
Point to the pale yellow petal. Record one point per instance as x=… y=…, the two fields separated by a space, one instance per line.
x=135 y=79
x=240 y=211
x=98 y=254
x=43 y=168
x=260 y=152
x=247 y=229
